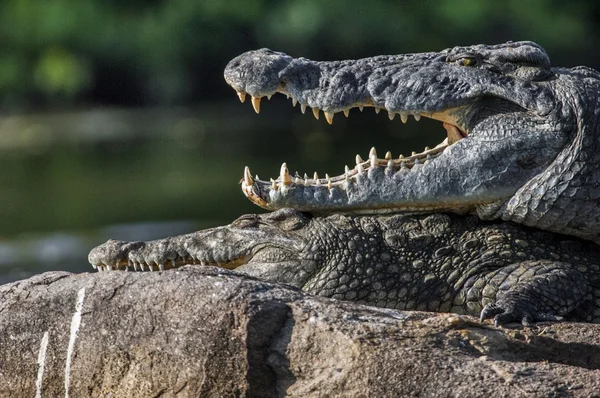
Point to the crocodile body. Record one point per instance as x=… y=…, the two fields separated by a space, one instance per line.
x=435 y=262
x=522 y=146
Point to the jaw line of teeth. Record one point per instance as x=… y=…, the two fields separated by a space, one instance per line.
x=255 y=101
x=362 y=166
x=143 y=265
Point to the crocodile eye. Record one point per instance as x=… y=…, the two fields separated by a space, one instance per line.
x=466 y=61
x=248 y=221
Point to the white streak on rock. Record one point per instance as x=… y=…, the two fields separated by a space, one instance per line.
x=75 y=323
x=41 y=362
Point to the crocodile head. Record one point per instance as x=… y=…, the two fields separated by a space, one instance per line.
x=510 y=119
x=267 y=243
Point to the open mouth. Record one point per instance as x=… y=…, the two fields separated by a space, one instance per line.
x=455 y=132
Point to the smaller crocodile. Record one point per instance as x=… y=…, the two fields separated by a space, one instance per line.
x=437 y=262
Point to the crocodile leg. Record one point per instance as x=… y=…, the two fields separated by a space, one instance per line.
x=536 y=291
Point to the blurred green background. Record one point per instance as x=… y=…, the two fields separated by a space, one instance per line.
x=116 y=122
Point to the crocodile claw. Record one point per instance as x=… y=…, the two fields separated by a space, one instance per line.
x=503 y=316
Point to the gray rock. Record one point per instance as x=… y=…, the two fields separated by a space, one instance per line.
x=201 y=331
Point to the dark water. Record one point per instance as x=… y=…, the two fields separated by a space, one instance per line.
x=72 y=180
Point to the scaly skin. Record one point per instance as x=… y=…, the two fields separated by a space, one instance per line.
x=522 y=135
x=436 y=263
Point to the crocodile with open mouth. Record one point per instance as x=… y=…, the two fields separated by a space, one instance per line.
x=522 y=139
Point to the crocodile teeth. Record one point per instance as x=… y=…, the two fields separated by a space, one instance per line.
x=242 y=96
x=285 y=175
x=388 y=155
x=372 y=152
x=329 y=117
x=315 y=113
x=256 y=104
x=294 y=101
x=359 y=160
x=274 y=185
x=377 y=110
x=417 y=117
x=303 y=108
x=404 y=117
x=248 y=177
x=391 y=115
x=346 y=112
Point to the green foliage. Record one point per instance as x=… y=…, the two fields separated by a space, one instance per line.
x=172 y=51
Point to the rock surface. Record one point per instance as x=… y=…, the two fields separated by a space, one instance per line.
x=200 y=331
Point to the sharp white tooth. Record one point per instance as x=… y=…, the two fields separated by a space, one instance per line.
x=404 y=117
x=401 y=157
x=329 y=117
x=417 y=117
x=359 y=160
x=256 y=177
x=390 y=163
x=315 y=176
x=161 y=267
x=303 y=108
x=315 y=113
x=150 y=266
x=305 y=176
x=347 y=112
x=359 y=168
x=373 y=161
x=142 y=265
x=248 y=177
x=294 y=102
x=242 y=96
x=360 y=107
x=346 y=169
x=274 y=185
x=373 y=152
x=109 y=267
x=256 y=104
x=413 y=153
x=284 y=173
x=269 y=96
x=388 y=155
x=426 y=149
x=329 y=185
x=377 y=110
x=297 y=181
x=287 y=96
x=391 y=115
